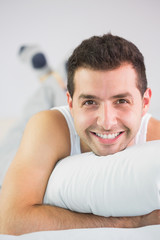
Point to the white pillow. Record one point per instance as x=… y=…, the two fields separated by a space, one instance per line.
x=123 y=184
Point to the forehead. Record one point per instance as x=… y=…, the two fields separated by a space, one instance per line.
x=123 y=78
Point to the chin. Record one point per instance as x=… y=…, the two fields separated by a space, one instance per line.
x=105 y=152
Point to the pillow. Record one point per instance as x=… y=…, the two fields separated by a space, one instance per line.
x=126 y=183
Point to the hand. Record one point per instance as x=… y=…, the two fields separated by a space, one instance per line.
x=152 y=218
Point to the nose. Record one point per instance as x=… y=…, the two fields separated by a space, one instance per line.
x=106 y=116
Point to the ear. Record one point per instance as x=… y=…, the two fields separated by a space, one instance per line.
x=70 y=101
x=146 y=100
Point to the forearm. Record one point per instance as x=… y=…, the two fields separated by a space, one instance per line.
x=43 y=217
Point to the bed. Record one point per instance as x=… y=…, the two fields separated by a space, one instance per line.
x=141 y=179
x=145 y=233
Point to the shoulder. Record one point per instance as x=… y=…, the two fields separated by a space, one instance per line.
x=49 y=128
x=46 y=121
x=153 y=130
x=49 y=118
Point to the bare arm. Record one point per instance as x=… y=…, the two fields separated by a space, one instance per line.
x=21 y=210
x=44 y=143
x=153 y=131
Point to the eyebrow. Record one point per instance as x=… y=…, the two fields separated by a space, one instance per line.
x=123 y=95
x=89 y=96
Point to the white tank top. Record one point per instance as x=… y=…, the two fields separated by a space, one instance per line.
x=75 y=140
x=141 y=136
x=74 y=137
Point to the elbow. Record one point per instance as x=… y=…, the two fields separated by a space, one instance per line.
x=9 y=223
x=7 y=227
x=11 y=228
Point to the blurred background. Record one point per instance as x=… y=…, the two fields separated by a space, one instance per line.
x=58 y=26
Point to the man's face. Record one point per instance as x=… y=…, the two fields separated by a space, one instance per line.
x=107 y=108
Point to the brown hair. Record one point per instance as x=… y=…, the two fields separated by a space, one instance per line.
x=106 y=52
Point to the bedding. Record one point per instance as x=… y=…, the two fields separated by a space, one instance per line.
x=123 y=184
x=5 y=125
x=145 y=233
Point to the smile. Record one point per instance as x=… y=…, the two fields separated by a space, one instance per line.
x=108 y=136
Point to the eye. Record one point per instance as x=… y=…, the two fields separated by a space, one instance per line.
x=121 y=101
x=89 y=102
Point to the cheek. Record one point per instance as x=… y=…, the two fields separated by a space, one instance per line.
x=132 y=119
x=84 y=120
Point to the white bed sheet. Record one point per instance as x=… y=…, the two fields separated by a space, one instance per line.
x=144 y=233
x=5 y=125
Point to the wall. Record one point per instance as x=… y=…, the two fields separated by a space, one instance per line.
x=57 y=26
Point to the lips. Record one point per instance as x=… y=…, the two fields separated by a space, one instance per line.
x=107 y=136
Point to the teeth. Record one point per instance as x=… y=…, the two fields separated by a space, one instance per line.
x=109 y=136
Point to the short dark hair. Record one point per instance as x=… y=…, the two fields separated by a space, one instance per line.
x=106 y=52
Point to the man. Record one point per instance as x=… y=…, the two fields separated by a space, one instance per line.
x=108 y=99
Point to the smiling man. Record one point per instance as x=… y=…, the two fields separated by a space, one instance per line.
x=107 y=112
x=108 y=100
